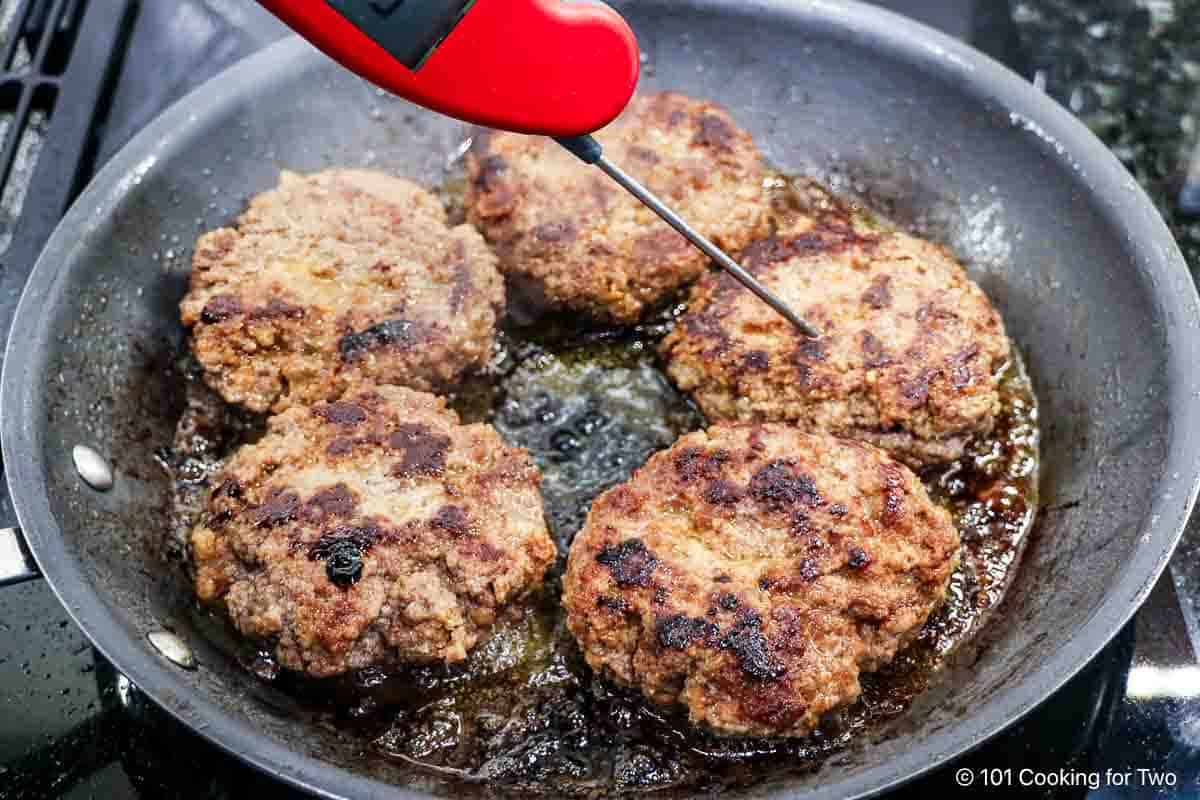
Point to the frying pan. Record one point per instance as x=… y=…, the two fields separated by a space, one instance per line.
x=1092 y=287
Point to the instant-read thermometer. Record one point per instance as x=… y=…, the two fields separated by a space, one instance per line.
x=547 y=67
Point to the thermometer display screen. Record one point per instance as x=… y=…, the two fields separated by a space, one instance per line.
x=410 y=30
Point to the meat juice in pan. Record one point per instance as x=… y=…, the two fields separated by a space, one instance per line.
x=523 y=714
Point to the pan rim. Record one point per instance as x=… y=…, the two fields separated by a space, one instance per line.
x=891 y=33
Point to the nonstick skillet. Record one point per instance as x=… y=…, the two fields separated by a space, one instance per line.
x=1091 y=285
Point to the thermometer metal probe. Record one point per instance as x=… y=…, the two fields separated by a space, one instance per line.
x=548 y=67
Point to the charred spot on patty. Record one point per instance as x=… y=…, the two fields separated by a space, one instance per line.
x=858 y=558
x=679 y=631
x=696 y=463
x=277 y=308
x=389 y=333
x=630 y=562
x=810 y=380
x=707 y=326
x=453 y=520
x=423 y=451
x=714 y=132
x=772 y=250
x=778 y=487
x=810 y=570
x=932 y=313
x=347 y=414
x=797 y=582
x=723 y=493
x=800 y=523
x=221 y=308
x=344 y=563
x=618 y=604
x=230 y=487
x=751 y=648
x=280 y=507
x=363 y=537
x=829 y=233
x=336 y=501
x=479 y=550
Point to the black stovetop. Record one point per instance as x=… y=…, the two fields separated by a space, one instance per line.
x=71 y=727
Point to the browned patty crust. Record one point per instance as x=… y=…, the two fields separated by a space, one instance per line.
x=751 y=572
x=909 y=354
x=334 y=276
x=581 y=241
x=370 y=530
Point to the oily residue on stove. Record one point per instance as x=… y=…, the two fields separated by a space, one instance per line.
x=523 y=715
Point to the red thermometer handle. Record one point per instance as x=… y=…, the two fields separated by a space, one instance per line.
x=532 y=66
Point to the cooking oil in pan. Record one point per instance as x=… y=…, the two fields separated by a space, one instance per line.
x=524 y=715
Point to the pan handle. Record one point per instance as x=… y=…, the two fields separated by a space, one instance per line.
x=16 y=562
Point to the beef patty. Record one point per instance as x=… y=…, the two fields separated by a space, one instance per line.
x=370 y=530
x=337 y=275
x=752 y=572
x=578 y=241
x=910 y=350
